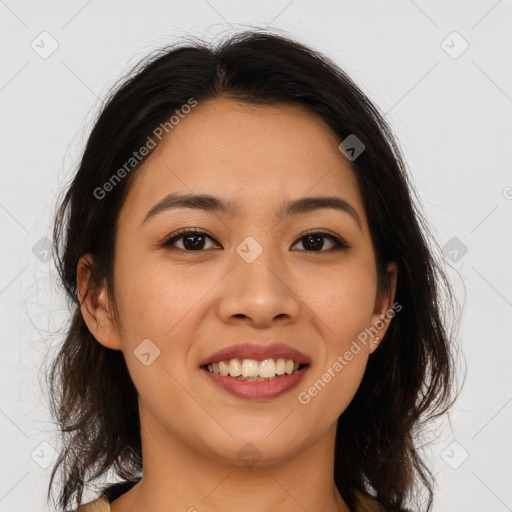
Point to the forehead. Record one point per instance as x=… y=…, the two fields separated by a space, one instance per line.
x=253 y=155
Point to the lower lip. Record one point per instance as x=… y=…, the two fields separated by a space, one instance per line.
x=263 y=390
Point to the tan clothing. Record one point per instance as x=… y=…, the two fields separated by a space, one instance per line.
x=99 y=505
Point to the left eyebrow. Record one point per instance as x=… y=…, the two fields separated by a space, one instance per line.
x=307 y=204
x=211 y=203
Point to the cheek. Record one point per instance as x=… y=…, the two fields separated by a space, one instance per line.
x=159 y=303
x=153 y=303
x=151 y=296
x=343 y=299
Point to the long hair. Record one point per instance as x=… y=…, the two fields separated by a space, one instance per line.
x=408 y=380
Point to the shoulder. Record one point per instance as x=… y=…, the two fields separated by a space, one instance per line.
x=100 y=504
x=109 y=493
x=365 y=503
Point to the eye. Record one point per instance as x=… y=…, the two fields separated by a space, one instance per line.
x=194 y=240
x=313 y=240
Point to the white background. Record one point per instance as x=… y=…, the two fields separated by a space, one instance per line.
x=451 y=117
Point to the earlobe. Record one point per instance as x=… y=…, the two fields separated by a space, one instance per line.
x=94 y=305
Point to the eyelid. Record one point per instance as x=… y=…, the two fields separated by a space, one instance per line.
x=339 y=242
x=176 y=235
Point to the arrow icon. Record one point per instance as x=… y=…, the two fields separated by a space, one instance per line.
x=146 y=352
x=351 y=147
x=249 y=249
x=44 y=44
x=454 y=45
x=454 y=249
x=42 y=249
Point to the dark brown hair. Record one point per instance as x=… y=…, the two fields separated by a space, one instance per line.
x=408 y=380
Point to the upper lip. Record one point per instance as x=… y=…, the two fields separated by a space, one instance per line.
x=258 y=352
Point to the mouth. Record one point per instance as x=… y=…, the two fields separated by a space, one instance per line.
x=255 y=380
x=256 y=371
x=252 y=370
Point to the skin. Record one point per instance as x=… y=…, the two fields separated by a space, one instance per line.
x=191 y=304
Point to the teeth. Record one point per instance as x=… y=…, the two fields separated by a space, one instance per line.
x=235 y=368
x=267 y=368
x=223 y=368
x=250 y=369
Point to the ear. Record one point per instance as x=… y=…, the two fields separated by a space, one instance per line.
x=95 y=306
x=384 y=310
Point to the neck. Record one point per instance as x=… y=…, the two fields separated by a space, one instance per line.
x=178 y=477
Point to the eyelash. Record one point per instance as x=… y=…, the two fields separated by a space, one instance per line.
x=340 y=244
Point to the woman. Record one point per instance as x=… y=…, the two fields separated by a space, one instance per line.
x=257 y=320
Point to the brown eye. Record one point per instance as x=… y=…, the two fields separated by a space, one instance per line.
x=196 y=240
x=313 y=242
x=192 y=240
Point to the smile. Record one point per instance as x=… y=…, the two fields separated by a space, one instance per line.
x=251 y=369
x=255 y=380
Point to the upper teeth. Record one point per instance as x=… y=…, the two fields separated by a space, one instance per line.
x=252 y=368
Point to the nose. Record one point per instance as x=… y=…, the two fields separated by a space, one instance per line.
x=259 y=293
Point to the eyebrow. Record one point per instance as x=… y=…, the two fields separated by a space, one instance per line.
x=211 y=203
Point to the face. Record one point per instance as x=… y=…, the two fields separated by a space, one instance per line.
x=247 y=276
